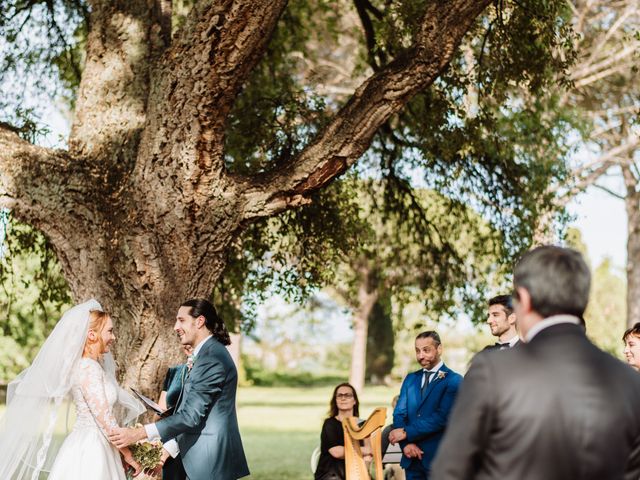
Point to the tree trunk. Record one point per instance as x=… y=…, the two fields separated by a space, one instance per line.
x=141 y=210
x=367 y=297
x=632 y=206
x=380 y=342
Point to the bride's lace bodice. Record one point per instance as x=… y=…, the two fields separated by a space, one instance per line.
x=93 y=395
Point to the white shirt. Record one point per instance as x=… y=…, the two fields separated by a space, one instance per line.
x=512 y=341
x=434 y=370
x=550 y=322
x=170 y=446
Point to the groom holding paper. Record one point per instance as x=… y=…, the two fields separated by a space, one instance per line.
x=203 y=431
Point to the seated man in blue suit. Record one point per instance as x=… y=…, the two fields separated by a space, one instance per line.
x=421 y=414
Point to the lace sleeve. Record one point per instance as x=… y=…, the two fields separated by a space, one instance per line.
x=91 y=380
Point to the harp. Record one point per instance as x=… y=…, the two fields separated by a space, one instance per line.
x=355 y=466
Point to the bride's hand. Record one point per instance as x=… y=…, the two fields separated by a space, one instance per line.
x=135 y=465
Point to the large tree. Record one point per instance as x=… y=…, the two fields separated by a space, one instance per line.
x=143 y=207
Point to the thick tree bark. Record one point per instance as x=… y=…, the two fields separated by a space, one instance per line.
x=632 y=205
x=141 y=210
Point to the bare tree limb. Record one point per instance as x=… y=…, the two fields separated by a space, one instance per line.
x=593 y=72
x=609 y=191
x=588 y=174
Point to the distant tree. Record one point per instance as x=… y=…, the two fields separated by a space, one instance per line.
x=380 y=342
x=605 y=97
x=606 y=313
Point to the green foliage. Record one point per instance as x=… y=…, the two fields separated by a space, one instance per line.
x=293 y=253
x=276 y=115
x=33 y=292
x=606 y=315
x=487 y=136
x=41 y=53
x=12 y=359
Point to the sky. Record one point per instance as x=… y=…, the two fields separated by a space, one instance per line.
x=602 y=220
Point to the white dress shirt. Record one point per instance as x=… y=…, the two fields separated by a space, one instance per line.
x=434 y=370
x=171 y=446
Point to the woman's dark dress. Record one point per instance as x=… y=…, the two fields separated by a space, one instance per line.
x=173 y=382
x=329 y=467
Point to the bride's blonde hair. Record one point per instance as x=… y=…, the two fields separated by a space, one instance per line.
x=97 y=321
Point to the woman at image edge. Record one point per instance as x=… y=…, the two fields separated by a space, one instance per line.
x=631 y=339
x=74 y=362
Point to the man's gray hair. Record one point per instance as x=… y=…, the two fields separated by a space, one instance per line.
x=557 y=279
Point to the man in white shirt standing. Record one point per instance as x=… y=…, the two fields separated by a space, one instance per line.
x=556 y=407
x=203 y=430
x=502 y=322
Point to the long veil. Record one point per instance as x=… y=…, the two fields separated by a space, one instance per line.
x=38 y=400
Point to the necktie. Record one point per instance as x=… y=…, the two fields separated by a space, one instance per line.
x=426 y=376
x=190 y=360
x=502 y=346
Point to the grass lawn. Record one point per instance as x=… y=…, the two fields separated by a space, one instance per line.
x=280 y=427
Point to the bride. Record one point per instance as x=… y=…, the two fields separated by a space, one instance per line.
x=73 y=365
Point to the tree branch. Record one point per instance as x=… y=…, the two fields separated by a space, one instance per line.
x=383 y=94
x=590 y=173
x=112 y=98
x=584 y=75
x=363 y=7
x=36 y=183
x=609 y=191
x=195 y=85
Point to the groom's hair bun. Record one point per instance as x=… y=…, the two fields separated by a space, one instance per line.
x=212 y=321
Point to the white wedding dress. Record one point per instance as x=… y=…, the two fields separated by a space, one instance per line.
x=86 y=453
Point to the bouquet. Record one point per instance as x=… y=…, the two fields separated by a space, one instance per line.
x=148 y=454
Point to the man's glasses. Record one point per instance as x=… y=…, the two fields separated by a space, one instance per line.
x=344 y=395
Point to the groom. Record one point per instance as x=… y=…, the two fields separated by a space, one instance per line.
x=204 y=428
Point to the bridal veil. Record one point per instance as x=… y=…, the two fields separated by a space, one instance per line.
x=35 y=421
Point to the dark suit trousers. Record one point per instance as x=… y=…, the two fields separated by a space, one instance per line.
x=173 y=469
x=416 y=472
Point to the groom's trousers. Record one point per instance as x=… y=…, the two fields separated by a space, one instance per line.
x=173 y=469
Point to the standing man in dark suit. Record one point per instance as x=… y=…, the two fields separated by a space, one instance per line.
x=502 y=322
x=203 y=431
x=556 y=407
x=421 y=414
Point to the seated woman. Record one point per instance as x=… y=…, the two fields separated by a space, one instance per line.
x=631 y=339
x=169 y=396
x=344 y=404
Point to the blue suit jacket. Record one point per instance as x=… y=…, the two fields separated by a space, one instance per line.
x=205 y=423
x=424 y=416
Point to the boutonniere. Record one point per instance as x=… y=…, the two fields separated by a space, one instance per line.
x=441 y=375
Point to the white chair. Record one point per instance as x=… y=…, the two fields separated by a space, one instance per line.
x=315 y=458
